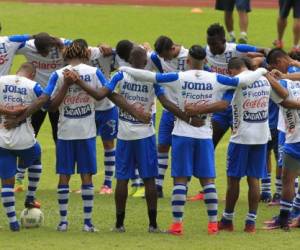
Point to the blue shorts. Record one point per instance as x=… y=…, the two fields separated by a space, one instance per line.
x=107 y=123
x=192 y=157
x=70 y=152
x=292 y=149
x=8 y=159
x=140 y=154
x=247 y=160
x=165 y=129
x=224 y=118
x=228 y=5
x=281 y=142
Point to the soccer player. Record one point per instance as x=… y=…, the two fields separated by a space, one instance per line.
x=16 y=92
x=168 y=57
x=8 y=48
x=192 y=148
x=250 y=115
x=243 y=7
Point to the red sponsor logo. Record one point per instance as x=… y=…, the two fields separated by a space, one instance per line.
x=52 y=66
x=78 y=99
x=218 y=70
x=3 y=59
x=257 y=103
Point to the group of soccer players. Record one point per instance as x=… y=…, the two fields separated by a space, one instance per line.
x=204 y=92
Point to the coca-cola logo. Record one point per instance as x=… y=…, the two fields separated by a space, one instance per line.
x=262 y=102
x=78 y=99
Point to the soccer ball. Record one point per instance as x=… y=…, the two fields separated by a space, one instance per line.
x=32 y=217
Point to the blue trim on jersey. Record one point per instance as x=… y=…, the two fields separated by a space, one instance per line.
x=158 y=90
x=19 y=38
x=229 y=81
x=22 y=45
x=293 y=69
x=166 y=77
x=38 y=90
x=51 y=84
x=114 y=81
x=67 y=42
x=283 y=83
x=228 y=95
x=155 y=59
x=101 y=77
x=246 y=48
x=207 y=68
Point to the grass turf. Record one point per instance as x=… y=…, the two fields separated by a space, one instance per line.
x=110 y=24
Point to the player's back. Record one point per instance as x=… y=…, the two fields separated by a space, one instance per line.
x=7 y=52
x=17 y=91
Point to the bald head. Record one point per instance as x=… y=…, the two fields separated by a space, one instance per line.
x=138 y=57
x=27 y=70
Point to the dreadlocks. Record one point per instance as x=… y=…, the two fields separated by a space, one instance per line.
x=76 y=50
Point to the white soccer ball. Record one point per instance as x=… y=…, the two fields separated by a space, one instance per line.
x=32 y=217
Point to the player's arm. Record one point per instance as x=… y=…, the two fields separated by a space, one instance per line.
x=218 y=106
x=280 y=91
x=290 y=76
x=20 y=38
x=246 y=48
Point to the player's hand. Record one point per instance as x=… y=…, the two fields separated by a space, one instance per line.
x=293 y=62
x=254 y=54
x=141 y=114
x=147 y=46
x=192 y=109
x=11 y=122
x=105 y=49
x=197 y=121
x=277 y=74
x=15 y=110
x=70 y=76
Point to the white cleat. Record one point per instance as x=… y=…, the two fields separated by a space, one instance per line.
x=89 y=229
x=62 y=227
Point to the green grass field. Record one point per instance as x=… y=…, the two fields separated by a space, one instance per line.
x=109 y=24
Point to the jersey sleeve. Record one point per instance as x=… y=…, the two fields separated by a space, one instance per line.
x=283 y=83
x=38 y=90
x=19 y=38
x=230 y=82
x=244 y=48
x=293 y=69
x=156 y=61
x=228 y=95
x=101 y=77
x=166 y=77
x=159 y=90
x=51 y=84
x=113 y=83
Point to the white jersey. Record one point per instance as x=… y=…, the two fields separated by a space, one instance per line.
x=8 y=48
x=44 y=65
x=105 y=65
x=77 y=110
x=250 y=111
x=292 y=116
x=16 y=91
x=219 y=63
x=139 y=93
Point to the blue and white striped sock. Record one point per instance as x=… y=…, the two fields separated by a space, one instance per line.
x=296 y=185
x=296 y=202
x=21 y=169
x=109 y=165
x=211 y=202
x=266 y=184
x=227 y=216
x=278 y=185
x=286 y=206
x=34 y=175
x=251 y=218
x=162 y=168
x=63 y=200
x=137 y=181
x=8 y=201
x=87 y=194
x=178 y=201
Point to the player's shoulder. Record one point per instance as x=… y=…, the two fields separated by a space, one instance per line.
x=4 y=39
x=183 y=53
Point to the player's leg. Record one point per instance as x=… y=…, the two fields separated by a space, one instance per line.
x=125 y=166
x=146 y=155
x=87 y=167
x=227 y=6
x=32 y=159
x=181 y=170
x=166 y=126
x=266 y=194
x=243 y=7
x=256 y=169
x=7 y=172
x=37 y=120
x=65 y=167
x=53 y=118
x=107 y=128
x=296 y=26
x=284 y=10
x=237 y=156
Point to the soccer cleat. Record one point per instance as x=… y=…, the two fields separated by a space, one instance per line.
x=105 y=190
x=225 y=226
x=89 y=228
x=62 y=227
x=275 y=200
x=243 y=40
x=265 y=197
x=212 y=228
x=15 y=226
x=118 y=229
x=295 y=49
x=278 y=44
x=19 y=186
x=32 y=204
x=155 y=230
x=250 y=228
x=231 y=39
x=132 y=190
x=197 y=197
x=140 y=192
x=176 y=229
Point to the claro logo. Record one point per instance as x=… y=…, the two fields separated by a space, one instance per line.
x=42 y=65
